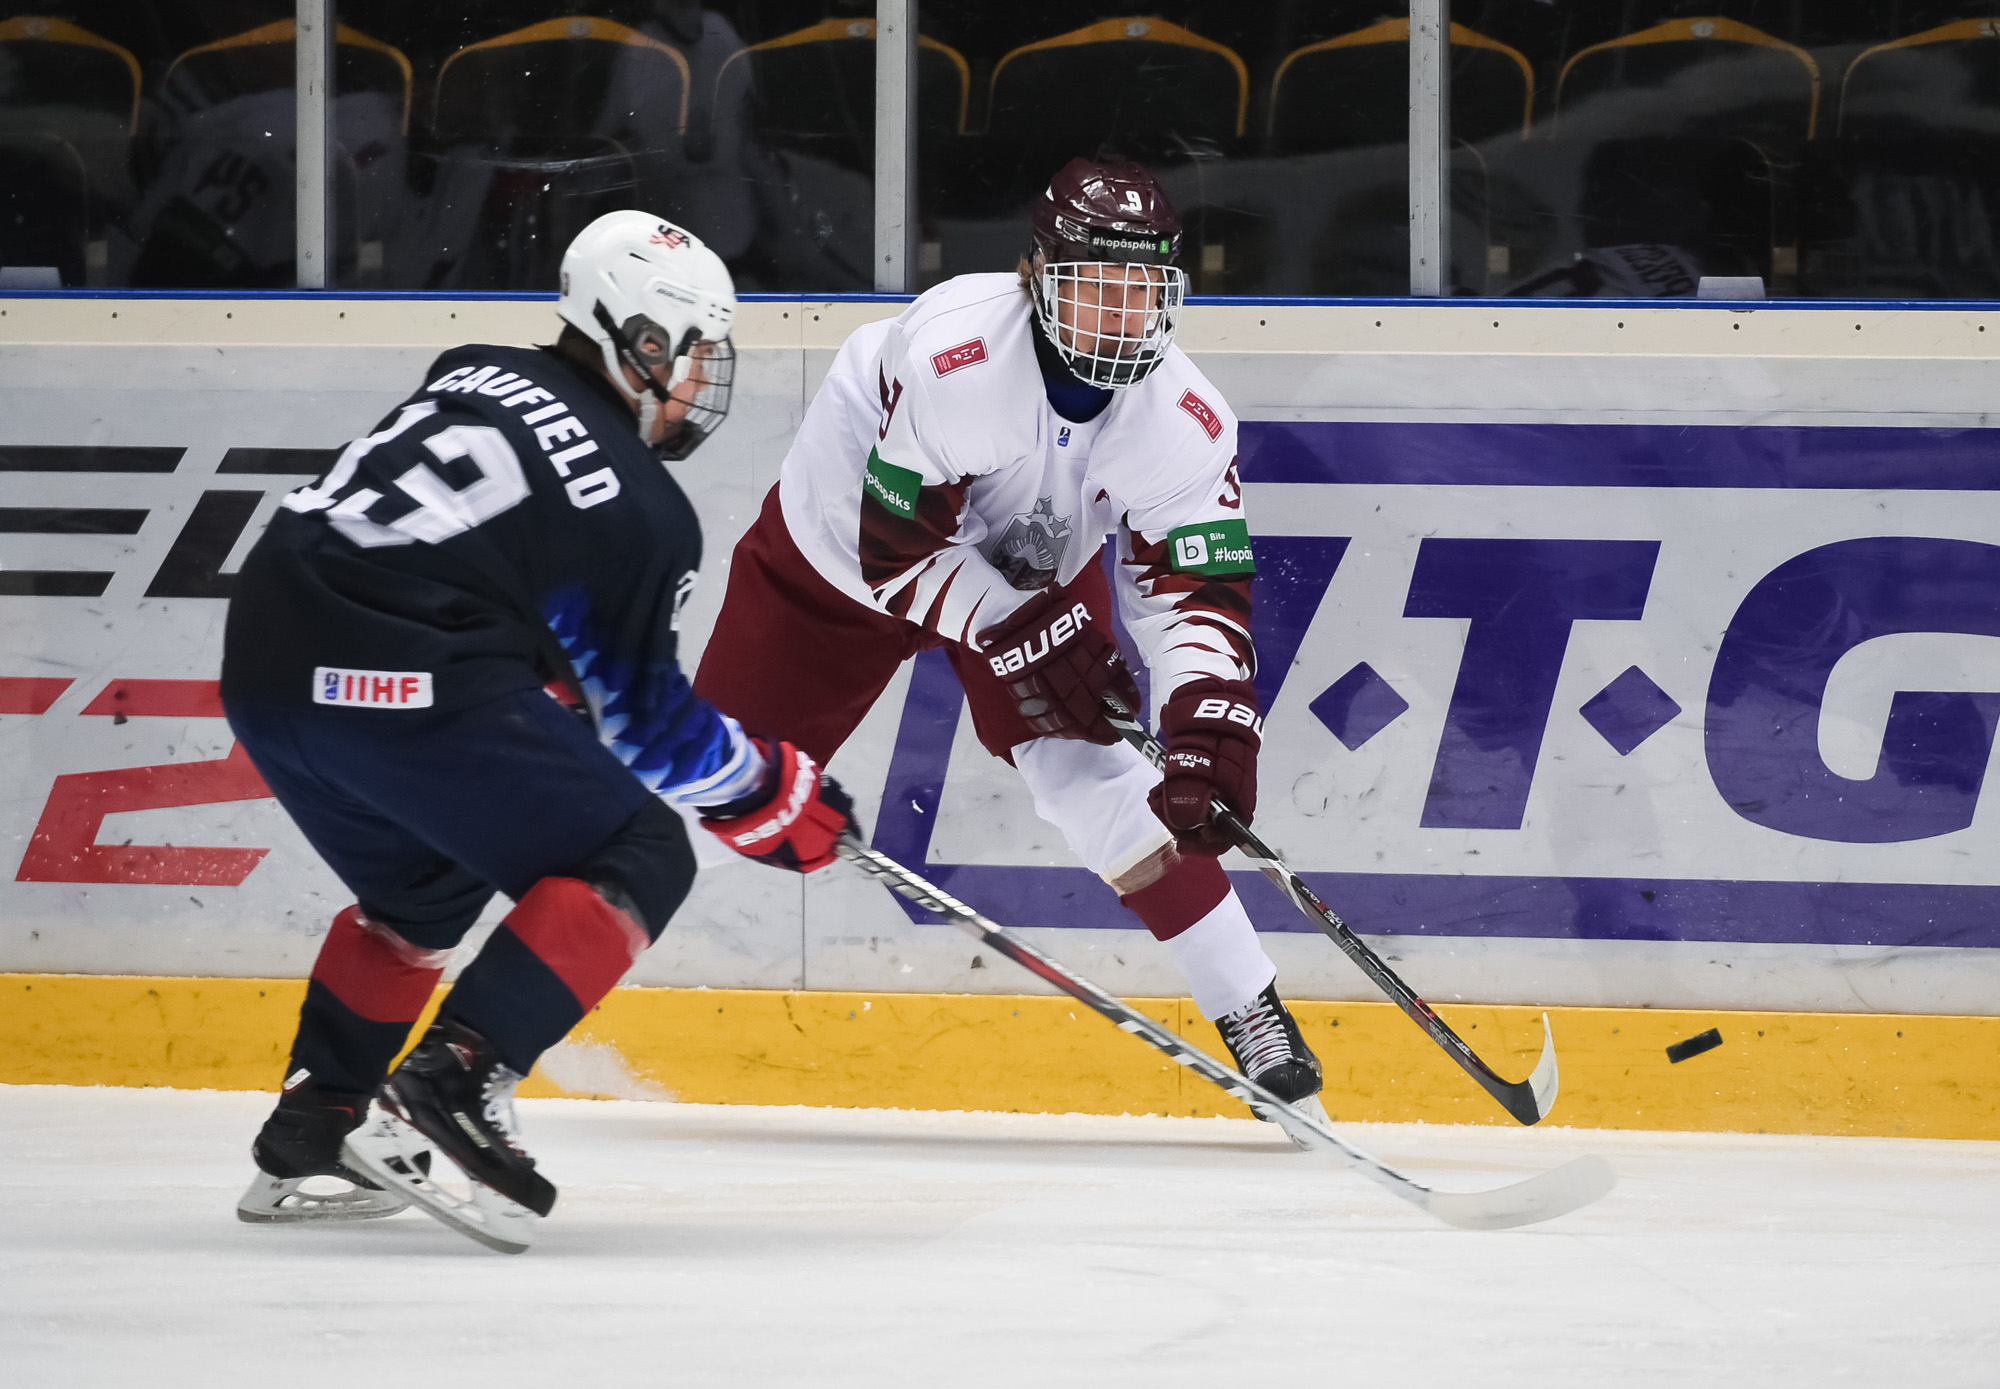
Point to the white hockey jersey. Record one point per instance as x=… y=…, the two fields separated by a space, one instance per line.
x=933 y=481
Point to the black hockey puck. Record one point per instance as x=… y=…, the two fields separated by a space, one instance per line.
x=1694 y=1046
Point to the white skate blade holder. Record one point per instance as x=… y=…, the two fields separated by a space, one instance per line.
x=273 y=1200
x=386 y=1149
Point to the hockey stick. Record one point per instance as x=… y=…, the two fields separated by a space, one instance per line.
x=1528 y=1100
x=1542 y=1197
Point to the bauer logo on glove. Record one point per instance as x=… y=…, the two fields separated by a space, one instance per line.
x=1052 y=636
x=1212 y=731
x=805 y=787
x=793 y=819
x=1245 y=714
x=1058 y=665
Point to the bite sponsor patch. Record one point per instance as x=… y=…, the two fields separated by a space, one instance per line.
x=1211 y=548
x=966 y=354
x=1210 y=422
x=895 y=488
x=378 y=689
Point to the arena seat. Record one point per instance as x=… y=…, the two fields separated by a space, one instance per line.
x=537 y=132
x=1691 y=133
x=1353 y=90
x=814 y=90
x=48 y=66
x=217 y=204
x=550 y=80
x=1904 y=199
x=69 y=101
x=1151 y=89
x=262 y=60
x=1715 y=198
x=45 y=209
x=1714 y=76
x=1945 y=77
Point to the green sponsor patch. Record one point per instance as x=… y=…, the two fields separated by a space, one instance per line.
x=896 y=488
x=1212 y=548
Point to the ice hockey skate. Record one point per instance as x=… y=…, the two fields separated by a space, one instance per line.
x=454 y=1091
x=300 y=1172
x=1264 y=1039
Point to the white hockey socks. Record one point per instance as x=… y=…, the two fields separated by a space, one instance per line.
x=1222 y=960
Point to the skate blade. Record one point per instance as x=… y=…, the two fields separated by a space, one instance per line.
x=273 y=1200
x=387 y=1149
x=1312 y=1109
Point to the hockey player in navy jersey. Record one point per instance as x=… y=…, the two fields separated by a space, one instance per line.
x=507 y=528
x=952 y=486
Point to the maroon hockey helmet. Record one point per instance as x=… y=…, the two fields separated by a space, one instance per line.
x=1106 y=211
x=1105 y=286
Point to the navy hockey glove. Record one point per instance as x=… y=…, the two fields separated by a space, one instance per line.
x=792 y=820
x=1212 y=732
x=1058 y=664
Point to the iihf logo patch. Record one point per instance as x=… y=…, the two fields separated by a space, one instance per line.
x=1210 y=422
x=379 y=689
x=966 y=354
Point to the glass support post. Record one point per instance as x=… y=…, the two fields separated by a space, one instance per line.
x=1430 y=148
x=313 y=50
x=895 y=145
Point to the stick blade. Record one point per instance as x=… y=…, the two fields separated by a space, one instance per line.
x=1544 y=1196
x=1545 y=1082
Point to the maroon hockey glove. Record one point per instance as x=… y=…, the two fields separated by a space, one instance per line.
x=1212 y=732
x=1058 y=664
x=792 y=820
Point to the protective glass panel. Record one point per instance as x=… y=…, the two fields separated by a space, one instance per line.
x=476 y=139
x=1822 y=151
x=1307 y=197
x=146 y=145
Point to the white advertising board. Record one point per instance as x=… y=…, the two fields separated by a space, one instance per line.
x=1602 y=665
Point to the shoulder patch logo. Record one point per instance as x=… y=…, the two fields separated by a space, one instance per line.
x=1210 y=422
x=895 y=488
x=1213 y=549
x=966 y=354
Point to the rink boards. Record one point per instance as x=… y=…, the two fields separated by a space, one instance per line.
x=1613 y=657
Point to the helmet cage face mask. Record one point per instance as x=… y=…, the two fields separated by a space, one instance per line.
x=646 y=347
x=1121 y=316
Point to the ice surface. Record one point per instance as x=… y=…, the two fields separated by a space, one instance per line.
x=722 y=1245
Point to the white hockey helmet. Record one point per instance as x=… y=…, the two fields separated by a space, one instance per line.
x=652 y=296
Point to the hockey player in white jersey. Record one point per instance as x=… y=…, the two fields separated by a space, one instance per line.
x=952 y=485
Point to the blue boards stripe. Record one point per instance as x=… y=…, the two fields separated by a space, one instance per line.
x=1664 y=909
x=1619 y=455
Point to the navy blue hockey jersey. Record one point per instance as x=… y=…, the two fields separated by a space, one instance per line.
x=504 y=519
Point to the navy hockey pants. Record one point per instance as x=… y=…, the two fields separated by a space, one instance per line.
x=424 y=815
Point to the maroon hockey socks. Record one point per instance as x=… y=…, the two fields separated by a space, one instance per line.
x=556 y=955
x=1189 y=890
x=1193 y=909
x=367 y=989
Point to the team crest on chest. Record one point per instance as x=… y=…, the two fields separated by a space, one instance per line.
x=1030 y=550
